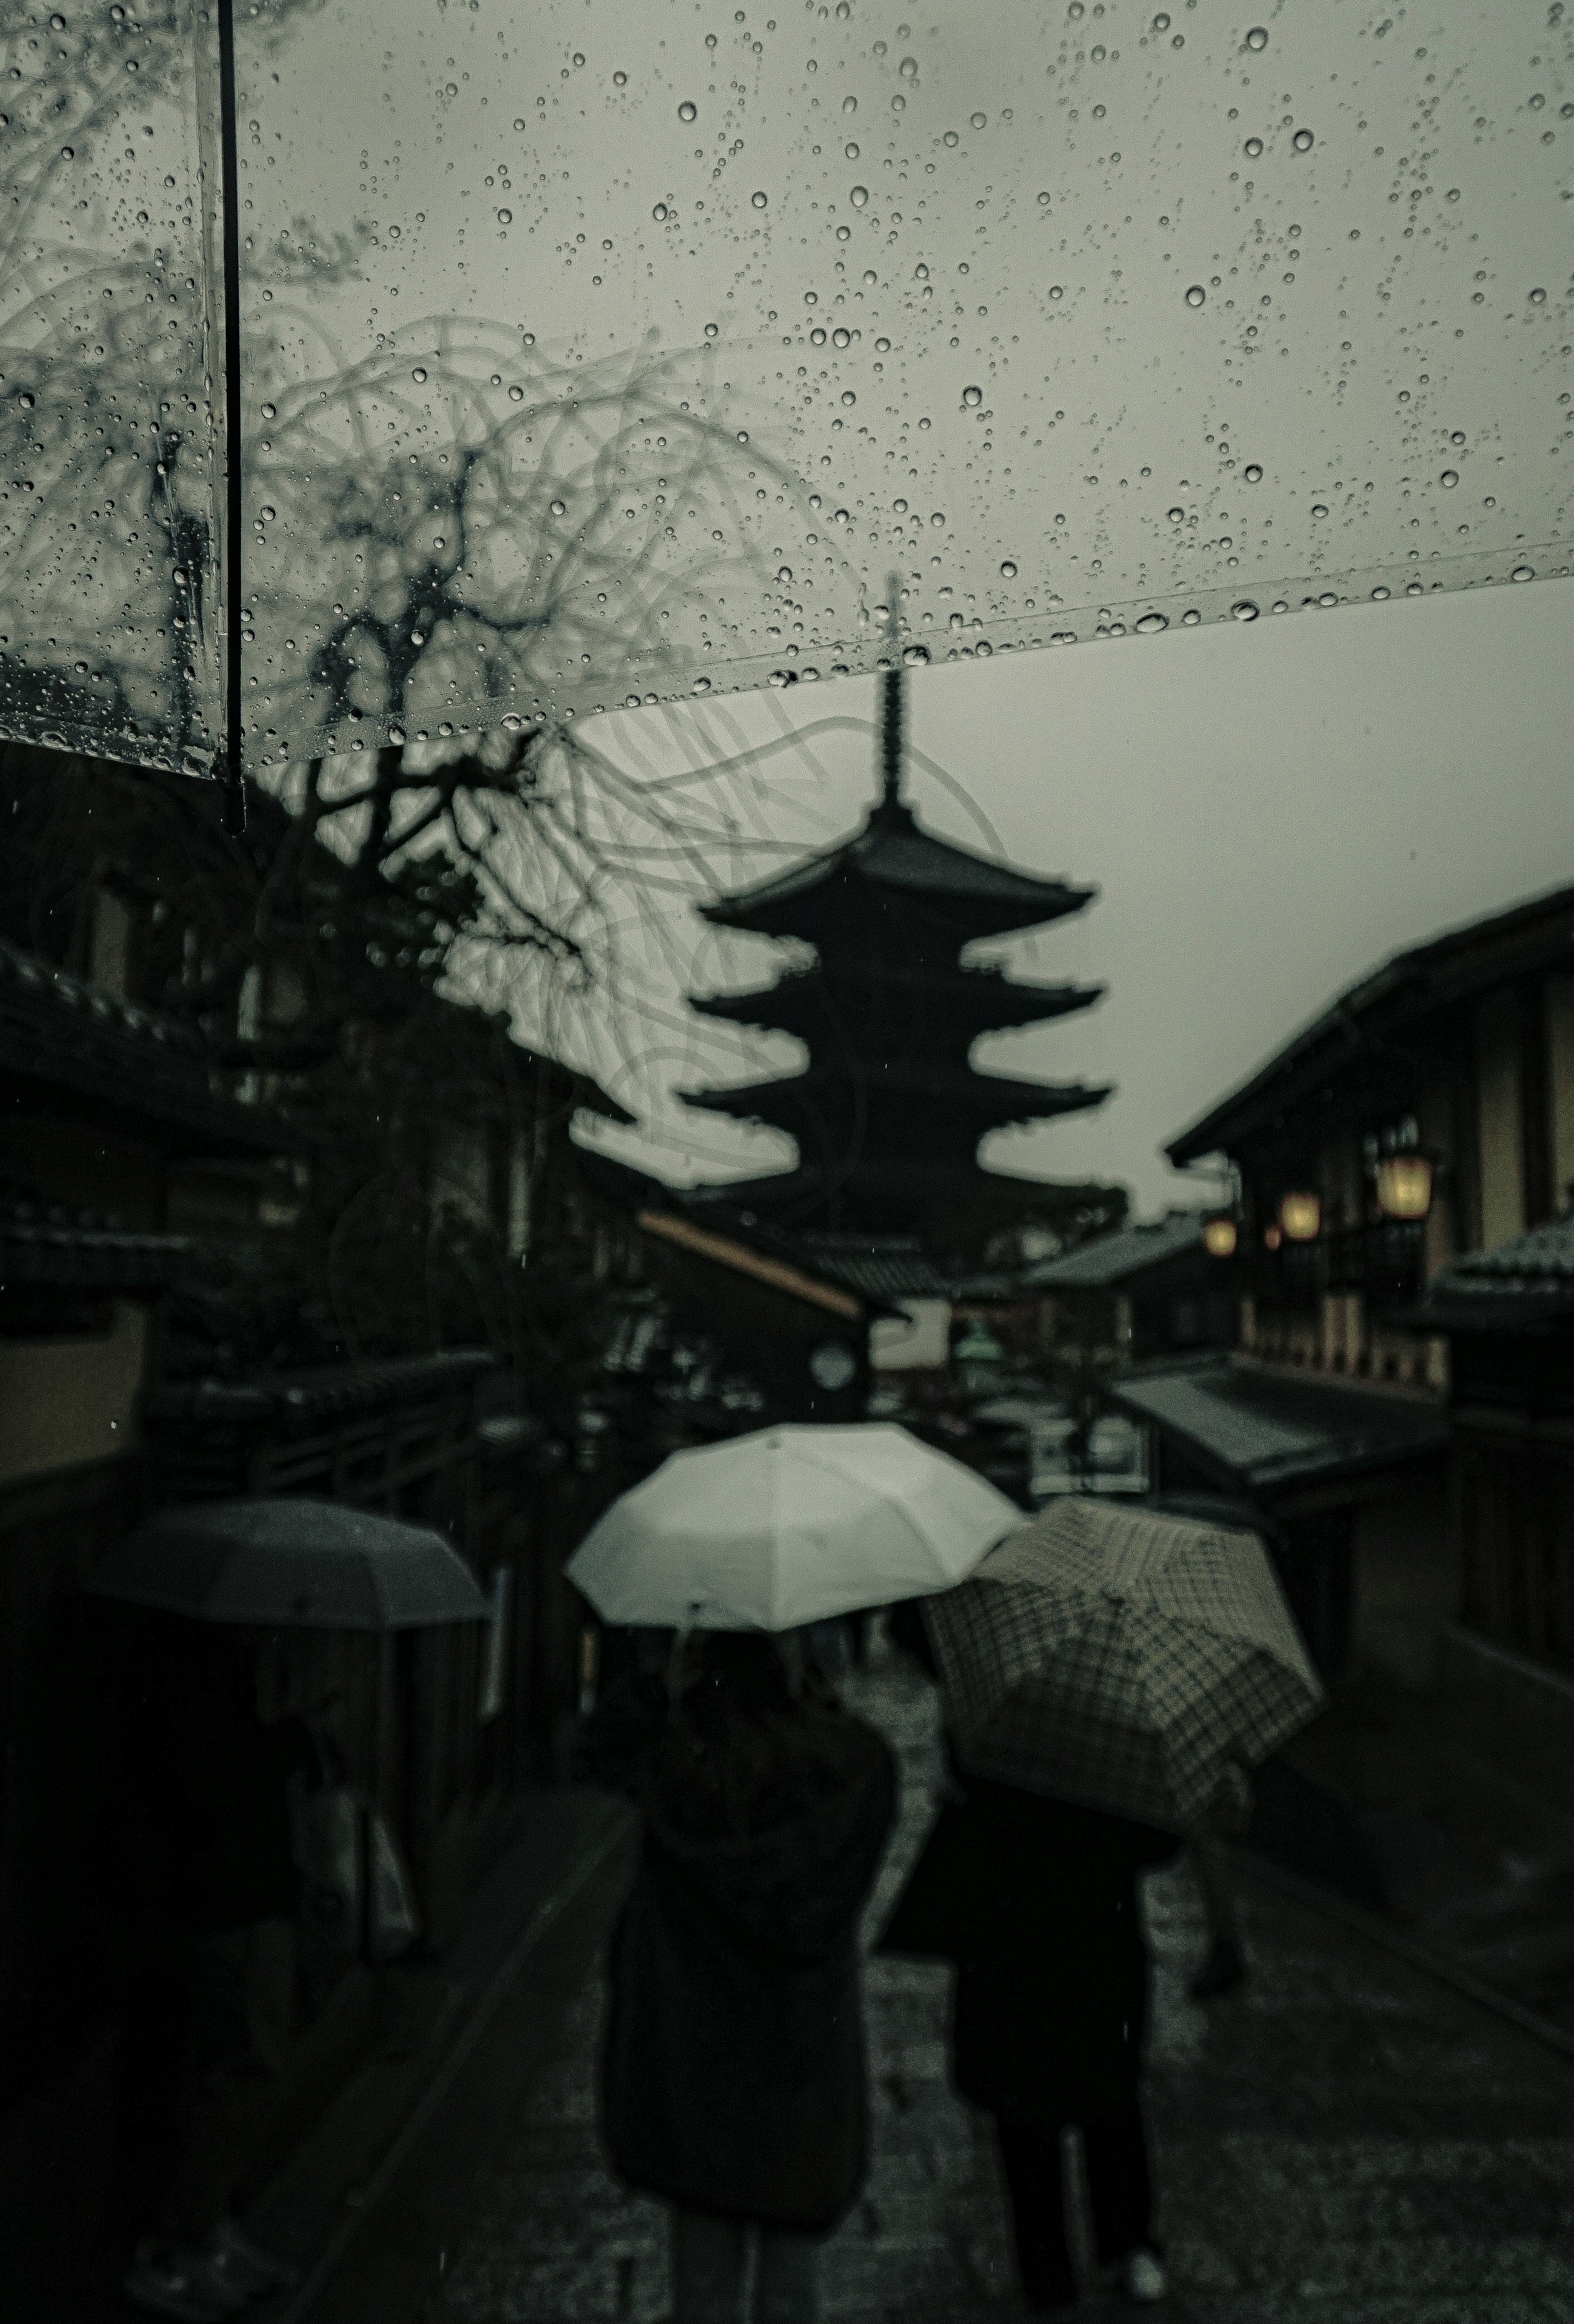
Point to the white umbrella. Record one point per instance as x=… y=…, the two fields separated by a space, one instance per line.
x=788 y=1526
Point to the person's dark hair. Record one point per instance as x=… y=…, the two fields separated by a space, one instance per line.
x=749 y=1738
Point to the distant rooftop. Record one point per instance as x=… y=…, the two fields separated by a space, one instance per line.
x=1112 y=1259
x=1270 y=1433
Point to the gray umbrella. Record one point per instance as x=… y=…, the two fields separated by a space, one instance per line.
x=291 y=1563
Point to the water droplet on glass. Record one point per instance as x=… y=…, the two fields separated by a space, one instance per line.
x=848 y=396
x=701 y=686
x=1196 y=295
x=269 y=411
x=743 y=435
x=1257 y=39
x=916 y=656
x=269 y=514
x=67 y=152
x=1161 y=23
x=577 y=58
x=418 y=375
x=560 y=508
x=760 y=200
x=1458 y=437
x=1253 y=146
x=1302 y=141
x=1189 y=618
x=25 y=401
x=882 y=347
x=1007 y=570
x=909 y=68
x=851 y=152
x=1177 y=516
x=972 y=397
x=1319 y=508
x=1151 y=624
x=977 y=119
x=1056 y=292
x=1327 y=598
x=659 y=213
x=1253 y=475
x=849 y=105
x=1243 y=610
x=951 y=138
x=857 y=197
x=1523 y=573
x=710 y=330
x=506 y=217
x=1538 y=297
x=686 y=111
x=1448 y=479
x=842 y=516
x=841 y=338
x=1380 y=595
x=396 y=735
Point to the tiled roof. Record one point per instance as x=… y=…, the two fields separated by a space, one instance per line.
x=45 y=1245
x=885 y=1267
x=1270 y=1433
x=1112 y=1259
x=322 y=1391
x=70 y=1036
x=1522 y=1283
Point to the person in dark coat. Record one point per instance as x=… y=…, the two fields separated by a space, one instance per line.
x=1036 y=1900
x=733 y=2078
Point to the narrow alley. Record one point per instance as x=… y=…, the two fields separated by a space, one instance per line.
x=1345 y=2139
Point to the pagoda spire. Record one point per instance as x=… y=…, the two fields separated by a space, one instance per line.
x=893 y=699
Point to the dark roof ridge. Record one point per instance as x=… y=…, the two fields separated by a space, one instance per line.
x=1400 y=971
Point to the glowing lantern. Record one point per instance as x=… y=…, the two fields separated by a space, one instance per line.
x=1404 y=1186
x=1272 y=1237
x=1219 y=1238
x=1301 y=1215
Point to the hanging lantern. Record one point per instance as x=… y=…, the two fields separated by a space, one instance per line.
x=1220 y=1238
x=1404 y=1186
x=1300 y=1216
x=1272 y=1236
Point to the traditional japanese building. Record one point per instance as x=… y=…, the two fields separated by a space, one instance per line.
x=889 y=1113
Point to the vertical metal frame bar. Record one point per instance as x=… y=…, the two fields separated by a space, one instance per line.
x=229 y=769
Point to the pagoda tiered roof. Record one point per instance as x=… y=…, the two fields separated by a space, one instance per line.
x=984 y=1000
x=960 y=894
x=889 y=1113
x=954 y=1103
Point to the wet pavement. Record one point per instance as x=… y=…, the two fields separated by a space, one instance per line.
x=1344 y=2138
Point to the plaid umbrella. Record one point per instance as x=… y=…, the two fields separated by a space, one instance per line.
x=1121 y=1659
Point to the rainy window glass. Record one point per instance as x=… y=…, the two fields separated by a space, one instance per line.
x=107 y=612
x=605 y=354
x=597 y=353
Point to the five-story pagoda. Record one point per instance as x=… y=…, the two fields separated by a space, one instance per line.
x=889 y=1113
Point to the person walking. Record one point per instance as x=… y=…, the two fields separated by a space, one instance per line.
x=1225 y=1968
x=1037 y=1901
x=733 y=2075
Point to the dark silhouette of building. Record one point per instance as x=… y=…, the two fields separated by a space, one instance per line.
x=889 y=1113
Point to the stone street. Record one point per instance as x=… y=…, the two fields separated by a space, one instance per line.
x=1344 y=2139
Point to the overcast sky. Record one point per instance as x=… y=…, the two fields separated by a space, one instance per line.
x=1267 y=813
